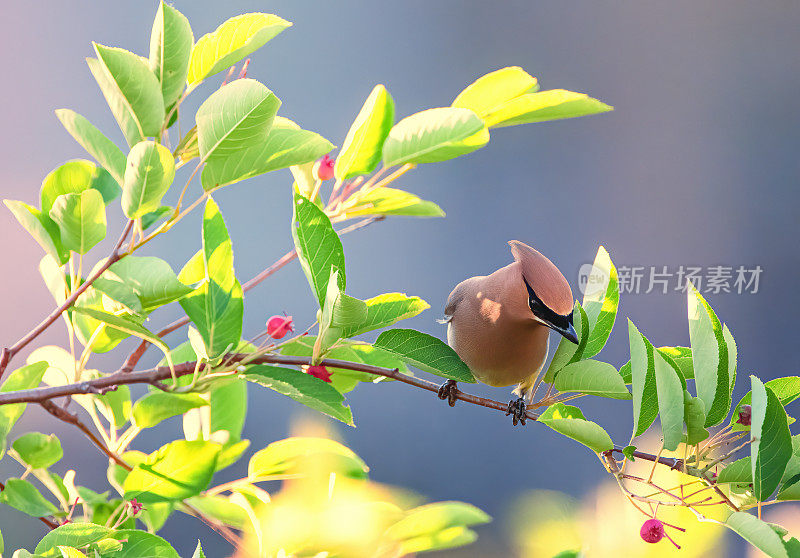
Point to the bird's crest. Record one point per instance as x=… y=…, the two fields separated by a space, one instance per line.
x=544 y=278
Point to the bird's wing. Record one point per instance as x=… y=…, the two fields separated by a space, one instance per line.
x=455 y=297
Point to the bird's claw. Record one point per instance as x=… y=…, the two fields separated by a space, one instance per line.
x=449 y=391
x=516 y=409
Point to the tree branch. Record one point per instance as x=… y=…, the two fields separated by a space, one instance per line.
x=133 y=359
x=66 y=416
x=155 y=375
x=114 y=257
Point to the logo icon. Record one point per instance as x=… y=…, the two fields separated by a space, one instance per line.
x=592 y=280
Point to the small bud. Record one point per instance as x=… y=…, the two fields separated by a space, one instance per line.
x=136 y=507
x=745 y=412
x=320 y=372
x=279 y=326
x=652 y=531
x=323 y=168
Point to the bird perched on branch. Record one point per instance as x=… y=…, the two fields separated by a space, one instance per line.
x=499 y=324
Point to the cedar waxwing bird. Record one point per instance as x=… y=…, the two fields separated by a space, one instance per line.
x=499 y=324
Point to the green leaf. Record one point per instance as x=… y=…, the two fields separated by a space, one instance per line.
x=592 y=377
x=126 y=326
x=436 y=526
x=216 y=306
x=489 y=92
x=303 y=388
x=150 y=219
x=286 y=145
x=694 y=415
x=362 y=147
x=232 y=126
x=228 y=402
x=140 y=544
x=772 y=442
x=627 y=451
x=389 y=201
x=319 y=248
x=569 y=421
x=75 y=177
x=709 y=357
x=158 y=406
x=681 y=356
x=27 y=377
x=425 y=352
x=76 y=535
x=567 y=351
x=730 y=344
x=81 y=220
x=787 y=389
x=148 y=175
x=151 y=279
x=198 y=552
x=385 y=310
x=38 y=450
x=289 y=456
x=338 y=311
x=643 y=386
x=542 y=106
x=434 y=135
x=119 y=292
x=23 y=496
x=41 y=228
x=221 y=509
x=170 y=48
x=740 y=471
x=94 y=142
x=670 y=400
x=231 y=452
x=178 y=470
x=232 y=41
x=600 y=300
x=131 y=90
x=94 y=332
x=757 y=533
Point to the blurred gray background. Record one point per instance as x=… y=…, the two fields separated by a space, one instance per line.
x=697 y=165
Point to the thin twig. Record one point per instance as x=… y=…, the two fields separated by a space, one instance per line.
x=113 y=258
x=69 y=418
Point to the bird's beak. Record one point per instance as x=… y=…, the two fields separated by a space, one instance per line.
x=568 y=333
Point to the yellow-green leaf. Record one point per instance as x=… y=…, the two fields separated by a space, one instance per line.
x=361 y=149
x=232 y=41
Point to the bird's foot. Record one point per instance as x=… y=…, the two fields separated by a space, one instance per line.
x=516 y=409
x=449 y=391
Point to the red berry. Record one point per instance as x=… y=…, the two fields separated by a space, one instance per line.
x=320 y=372
x=323 y=168
x=279 y=326
x=745 y=412
x=652 y=531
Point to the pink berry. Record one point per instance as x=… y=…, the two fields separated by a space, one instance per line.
x=320 y=372
x=323 y=168
x=652 y=531
x=279 y=326
x=745 y=412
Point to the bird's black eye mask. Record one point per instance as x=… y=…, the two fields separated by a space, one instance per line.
x=541 y=311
